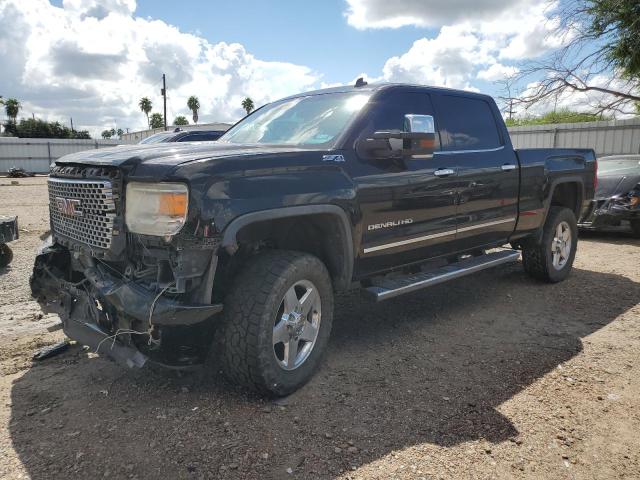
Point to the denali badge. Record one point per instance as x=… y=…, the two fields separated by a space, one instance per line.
x=394 y=223
x=69 y=206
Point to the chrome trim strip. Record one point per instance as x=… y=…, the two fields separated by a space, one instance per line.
x=488 y=224
x=436 y=235
x=407 y=242
x=481 y=150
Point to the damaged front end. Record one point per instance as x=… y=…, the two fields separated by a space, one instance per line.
x=613 y=210
x=117 y=317
x=132 y=297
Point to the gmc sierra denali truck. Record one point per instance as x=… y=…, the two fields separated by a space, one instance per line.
x=171 y=253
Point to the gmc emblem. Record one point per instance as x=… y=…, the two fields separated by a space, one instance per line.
x=69 y=206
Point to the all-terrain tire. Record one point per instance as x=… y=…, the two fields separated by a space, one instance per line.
x=251 y=308
x=6 y=255
x=537 y=258
x=635 y=228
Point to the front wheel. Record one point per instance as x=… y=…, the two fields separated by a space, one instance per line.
x=551 y=259
x=278 y=319
x=635 y=227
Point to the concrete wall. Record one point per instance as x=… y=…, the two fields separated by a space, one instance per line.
x=36 y=154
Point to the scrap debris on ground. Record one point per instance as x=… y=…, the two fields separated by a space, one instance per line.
x=491 y=376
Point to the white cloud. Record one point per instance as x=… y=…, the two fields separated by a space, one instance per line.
x=364 y=14
x=463 y=52
x=497 y=71
x=94 y=59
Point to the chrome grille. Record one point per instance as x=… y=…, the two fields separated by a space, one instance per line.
x=83 y=210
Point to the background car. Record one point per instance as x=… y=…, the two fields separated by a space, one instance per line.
x=184 y=136
x=617 y=198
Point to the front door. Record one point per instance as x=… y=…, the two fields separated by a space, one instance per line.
x=407 y=206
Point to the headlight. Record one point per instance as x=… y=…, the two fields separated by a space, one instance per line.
x=156 y=208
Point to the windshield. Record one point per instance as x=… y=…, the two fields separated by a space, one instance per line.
x=619 y=166
x=157 y=138
x=316 y=120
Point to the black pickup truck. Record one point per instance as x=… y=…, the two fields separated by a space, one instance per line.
x=171 y=253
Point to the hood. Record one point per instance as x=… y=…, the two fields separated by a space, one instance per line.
x=169 y=154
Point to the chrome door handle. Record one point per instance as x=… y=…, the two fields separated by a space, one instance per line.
x=508 y=166
x=444 y=172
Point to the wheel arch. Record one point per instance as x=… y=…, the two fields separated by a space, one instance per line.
x=322 y=230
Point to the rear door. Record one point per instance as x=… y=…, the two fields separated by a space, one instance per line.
x=487 y=168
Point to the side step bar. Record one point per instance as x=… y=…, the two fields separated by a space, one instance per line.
x=394 y=287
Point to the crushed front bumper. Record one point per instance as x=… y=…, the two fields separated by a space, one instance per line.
x=110 y=315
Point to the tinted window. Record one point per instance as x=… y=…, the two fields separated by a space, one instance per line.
x=389 y=109
x=466 y=123
x=200 y=137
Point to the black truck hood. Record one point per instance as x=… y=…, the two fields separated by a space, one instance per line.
x=169 y=154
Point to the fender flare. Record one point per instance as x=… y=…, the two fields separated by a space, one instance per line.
x=230 y=243
x=565 y=179
x=537 y=236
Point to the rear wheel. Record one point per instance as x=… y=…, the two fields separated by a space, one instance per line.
x=6 y=255
x=277 y=322
x=551 y=259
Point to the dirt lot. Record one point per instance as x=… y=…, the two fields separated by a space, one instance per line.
x=493 y=376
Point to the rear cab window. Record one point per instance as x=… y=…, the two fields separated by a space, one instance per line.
x=466 y=123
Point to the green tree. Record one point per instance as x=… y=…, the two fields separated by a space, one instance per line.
x=146 y=106
x=119 y=132
x=156 y=121
x=617 y=24
x=82 y=135
x=248 y=105
x=12 y=108
x=181 y=120
x=194 y=105
x=560 y=116
x=36 y=128
x=601 y=39
x=106 y=134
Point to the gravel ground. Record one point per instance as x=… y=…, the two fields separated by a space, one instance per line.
x=491 y=376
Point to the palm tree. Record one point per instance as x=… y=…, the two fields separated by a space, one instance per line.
x=180 y=120
x=194 y=105
x=248 y=106
x=146 y=106
x=12 y=107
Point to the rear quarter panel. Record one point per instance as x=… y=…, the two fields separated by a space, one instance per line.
x=541 y=171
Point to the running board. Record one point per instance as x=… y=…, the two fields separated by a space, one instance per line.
x=394 y=287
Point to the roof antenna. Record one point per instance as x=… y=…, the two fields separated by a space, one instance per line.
x=360 y=83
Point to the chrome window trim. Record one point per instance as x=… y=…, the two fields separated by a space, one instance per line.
x=482 y=150
x=437 y=235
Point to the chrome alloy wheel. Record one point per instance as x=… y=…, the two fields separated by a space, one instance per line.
x=561 y=246
x=297 y=324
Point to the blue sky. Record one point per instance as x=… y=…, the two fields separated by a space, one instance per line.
x=94 y=59
x=313 y=34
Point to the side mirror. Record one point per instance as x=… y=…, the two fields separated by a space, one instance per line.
x=417 y=140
